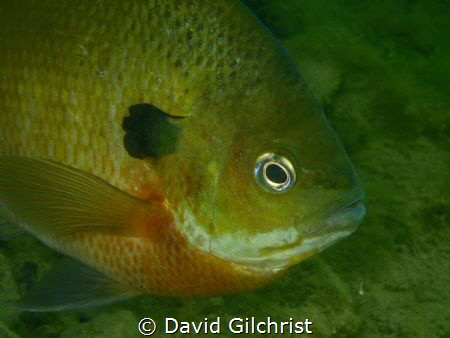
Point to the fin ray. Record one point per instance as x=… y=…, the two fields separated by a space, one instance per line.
x=48 y=197
x=72 y=285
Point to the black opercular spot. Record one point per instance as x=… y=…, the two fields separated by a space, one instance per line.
x=276 y=174
x=149 y=132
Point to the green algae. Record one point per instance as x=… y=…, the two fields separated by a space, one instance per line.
x=380 y=69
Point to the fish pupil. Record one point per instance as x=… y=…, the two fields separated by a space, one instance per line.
x=276 y=173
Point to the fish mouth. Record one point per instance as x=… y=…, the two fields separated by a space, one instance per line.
x=339 y=224
x=263 y=253
x=346 y=219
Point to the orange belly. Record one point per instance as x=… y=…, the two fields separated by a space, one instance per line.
x=168 y=266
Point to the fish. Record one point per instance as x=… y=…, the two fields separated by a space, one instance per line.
x=167 y=148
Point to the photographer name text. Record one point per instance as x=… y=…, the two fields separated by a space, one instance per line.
x=236 y=325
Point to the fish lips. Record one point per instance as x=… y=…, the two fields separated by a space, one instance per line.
x=340 y=224
x=346 y=219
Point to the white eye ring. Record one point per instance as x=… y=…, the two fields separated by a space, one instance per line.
x=274 y=173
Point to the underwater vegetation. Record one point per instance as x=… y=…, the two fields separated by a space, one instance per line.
x=380 y=70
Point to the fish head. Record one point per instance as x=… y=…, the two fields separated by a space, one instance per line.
x=287 y=188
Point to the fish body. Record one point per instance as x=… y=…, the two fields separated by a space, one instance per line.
x=140 y=138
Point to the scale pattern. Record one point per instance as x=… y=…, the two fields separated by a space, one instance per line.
x=69 y=71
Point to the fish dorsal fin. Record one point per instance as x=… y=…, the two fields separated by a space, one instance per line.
x=71 y=285
x=49 y=198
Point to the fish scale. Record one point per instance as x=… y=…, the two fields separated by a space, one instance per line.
x=61 y=115
x=89 y=95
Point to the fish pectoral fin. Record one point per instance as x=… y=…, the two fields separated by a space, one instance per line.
x=71 y=285
x=49 y=198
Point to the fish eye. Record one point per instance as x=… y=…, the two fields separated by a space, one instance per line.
x=274 y=173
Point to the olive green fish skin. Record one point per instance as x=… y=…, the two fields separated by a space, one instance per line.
x=73 y=69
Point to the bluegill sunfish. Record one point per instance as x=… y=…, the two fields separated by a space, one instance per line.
x=170 y=146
